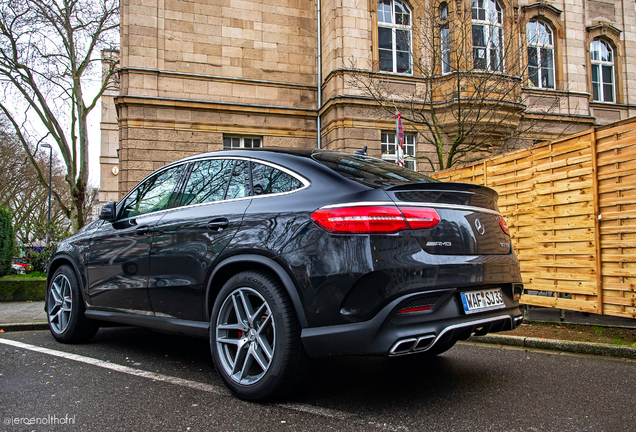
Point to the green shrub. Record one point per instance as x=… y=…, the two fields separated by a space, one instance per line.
x=6 y=242
x=14 y=289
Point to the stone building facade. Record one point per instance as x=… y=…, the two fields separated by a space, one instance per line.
x=200 y=74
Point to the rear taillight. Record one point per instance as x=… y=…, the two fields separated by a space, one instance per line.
x=375 y=219
x=504 y=225
x=420 y=217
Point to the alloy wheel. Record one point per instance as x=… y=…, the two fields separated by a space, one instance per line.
x=245 y=336
x=60 y=304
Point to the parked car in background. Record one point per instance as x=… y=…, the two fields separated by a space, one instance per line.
x=276 y=255
x=20 y=265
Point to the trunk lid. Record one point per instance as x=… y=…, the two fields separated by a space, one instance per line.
x=469 y=216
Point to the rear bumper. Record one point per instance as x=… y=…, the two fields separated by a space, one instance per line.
x=387 y=333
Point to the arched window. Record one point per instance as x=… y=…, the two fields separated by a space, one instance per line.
x=540 y=54
x=602 y=56
x=488 y=35
x=443 y=11
x=394 y=36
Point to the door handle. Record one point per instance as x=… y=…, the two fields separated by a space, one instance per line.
x=142 y=230
x=218 y=224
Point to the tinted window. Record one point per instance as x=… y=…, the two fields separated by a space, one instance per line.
x=151 y=195
x=269 y=180
x=207 y=182
x=369 y=170
x=239 y=182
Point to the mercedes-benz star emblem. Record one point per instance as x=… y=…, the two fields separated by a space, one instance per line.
x=480 y=228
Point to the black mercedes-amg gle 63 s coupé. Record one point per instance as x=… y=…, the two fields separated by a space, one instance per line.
x=279 y=255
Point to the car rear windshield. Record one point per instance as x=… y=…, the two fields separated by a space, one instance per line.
x=370 y=170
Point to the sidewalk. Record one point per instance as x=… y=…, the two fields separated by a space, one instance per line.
x=571 y=317
x=22 y=316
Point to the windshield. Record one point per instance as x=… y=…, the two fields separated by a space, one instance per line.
x=370 y=170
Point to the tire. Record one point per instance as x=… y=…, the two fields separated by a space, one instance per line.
x=260 y=355
x=65 y=309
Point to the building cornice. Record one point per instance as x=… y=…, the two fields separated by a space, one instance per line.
x=605 y=27
x=212 y=127
x=159 y=102
x=541 y=5
x=405 y=78
x=609 y=105
x=217 y=78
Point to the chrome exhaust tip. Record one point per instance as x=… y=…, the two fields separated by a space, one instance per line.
x=424 y=343
x=412 y=345
x=403 y=346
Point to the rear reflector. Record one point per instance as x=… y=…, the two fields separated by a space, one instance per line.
x=415 y=309
x=375 y=219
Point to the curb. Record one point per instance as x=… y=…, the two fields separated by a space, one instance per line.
x=13 y=327
x=557 y=345
x=628 y=327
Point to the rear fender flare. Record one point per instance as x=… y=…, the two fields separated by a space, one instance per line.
x=272 y=265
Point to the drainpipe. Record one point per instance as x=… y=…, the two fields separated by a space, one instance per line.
x=319 y=75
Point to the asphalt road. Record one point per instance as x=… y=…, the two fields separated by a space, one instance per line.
x=135 y=380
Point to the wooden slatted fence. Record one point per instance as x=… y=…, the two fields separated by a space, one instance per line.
x=571 y=208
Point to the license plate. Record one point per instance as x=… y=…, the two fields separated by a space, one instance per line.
x=478 y=301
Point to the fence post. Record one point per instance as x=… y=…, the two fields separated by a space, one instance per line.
x=597 y=222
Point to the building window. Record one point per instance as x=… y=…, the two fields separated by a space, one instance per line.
x=389 y=149
x=540 y=54
x=233 y=142
x=445 y=33
x=394 y=36
x=602 y=56
x=488 y=37
x=443 y=11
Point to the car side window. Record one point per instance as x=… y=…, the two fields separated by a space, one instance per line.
x=269 y=180
x=152 y=195
x=208 y=181
x=239 y=181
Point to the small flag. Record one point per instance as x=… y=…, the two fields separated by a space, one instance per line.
x=400 y=134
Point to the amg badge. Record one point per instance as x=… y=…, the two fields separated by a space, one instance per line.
x=438 y=244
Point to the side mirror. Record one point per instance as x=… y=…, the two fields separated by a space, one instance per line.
x=108 y=212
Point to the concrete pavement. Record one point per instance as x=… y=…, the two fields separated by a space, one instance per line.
x=22 y=316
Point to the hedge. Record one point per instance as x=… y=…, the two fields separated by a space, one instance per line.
x=22 y=289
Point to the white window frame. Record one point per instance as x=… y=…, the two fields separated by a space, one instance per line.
x=383 y=23
x=492 y=22
x=599 y=63
x=241 y=141
x=542 y=30
x=389 y=143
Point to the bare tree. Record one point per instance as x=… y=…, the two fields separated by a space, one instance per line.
x=466 y=100
x=49 y=53
x=24 y=195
